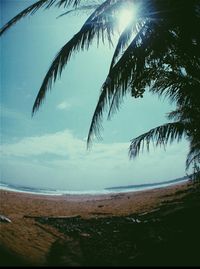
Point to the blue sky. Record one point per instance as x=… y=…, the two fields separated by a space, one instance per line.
x=49 y=150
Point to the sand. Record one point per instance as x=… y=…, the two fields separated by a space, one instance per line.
x=31 y=241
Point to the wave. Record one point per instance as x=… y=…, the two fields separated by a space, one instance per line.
x=110 y=190
x=44 y=191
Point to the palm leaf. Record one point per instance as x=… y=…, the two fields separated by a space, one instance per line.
x=161 y=135
x=97 y=25
x=176 y=87
x=109 y=95
x=123 y=41
x=35 y=7
x=120 y=77
x=81 y=8
x=96 y=126
x=193 y=156
x=66 y=3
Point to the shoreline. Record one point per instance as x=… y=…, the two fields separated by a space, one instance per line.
x=95 y=193
x=25 y=237
x=105 y=191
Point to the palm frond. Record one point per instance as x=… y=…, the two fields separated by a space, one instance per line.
x=107 y=92
x=123 y=42
x=95 y=126
x=193 y=157
x=178 y=88
x=190 y=114
x=133 y=64
x=98 y=25
x=81 y=8
x=66 y=3
x=161 y=135
x=124 y=72
x=35 y=7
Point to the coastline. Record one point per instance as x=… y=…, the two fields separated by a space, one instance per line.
x=122 y=203
x=108 y=190
x=31 y=241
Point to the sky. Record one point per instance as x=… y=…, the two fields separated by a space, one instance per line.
x=49 y=150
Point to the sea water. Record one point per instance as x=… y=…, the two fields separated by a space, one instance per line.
x=112 y=190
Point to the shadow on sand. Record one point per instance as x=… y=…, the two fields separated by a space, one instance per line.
x=167 y=236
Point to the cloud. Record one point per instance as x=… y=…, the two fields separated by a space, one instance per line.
x=61 y=160
x=62 y=143
x=63 y=106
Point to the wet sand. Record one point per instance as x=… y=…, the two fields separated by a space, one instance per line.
x=31 y=241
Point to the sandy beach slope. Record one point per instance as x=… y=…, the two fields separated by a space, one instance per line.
x=31 y=241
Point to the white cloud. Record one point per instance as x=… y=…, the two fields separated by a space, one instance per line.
x=63 y=106
x=61 y=159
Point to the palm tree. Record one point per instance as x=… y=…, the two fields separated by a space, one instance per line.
x=162 y=40
x=184 y=126
x=182 y=86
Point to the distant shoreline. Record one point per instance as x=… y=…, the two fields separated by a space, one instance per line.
x=106 y=191
x=173 y=181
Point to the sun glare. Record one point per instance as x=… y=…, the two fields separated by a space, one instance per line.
x=125 y=17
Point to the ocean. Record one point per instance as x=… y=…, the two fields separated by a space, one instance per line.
x=111 y=190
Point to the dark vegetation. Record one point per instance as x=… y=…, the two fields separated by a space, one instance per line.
x=167 y=236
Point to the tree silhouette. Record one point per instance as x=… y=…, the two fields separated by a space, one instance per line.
x=182 y=86
x=158 y=51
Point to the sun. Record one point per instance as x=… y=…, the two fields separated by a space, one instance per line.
x=125 y=17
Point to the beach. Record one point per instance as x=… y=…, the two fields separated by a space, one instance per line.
x=37 y=222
